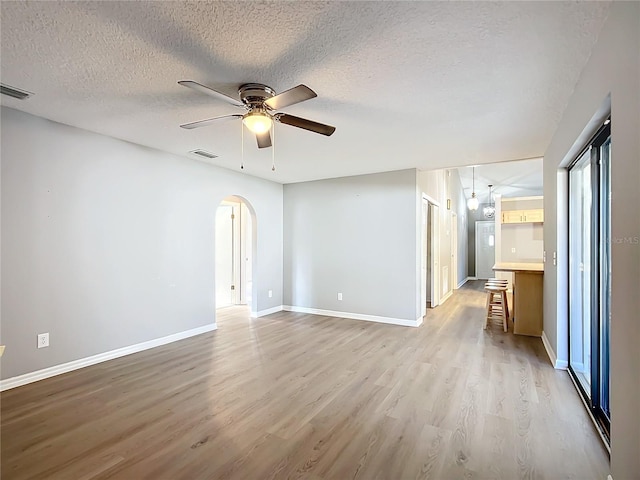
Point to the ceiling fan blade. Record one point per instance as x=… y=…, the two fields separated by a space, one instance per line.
x=211 y=92
x=264 y=139
x=208 y=121
x=290 y=97
x=305 y=124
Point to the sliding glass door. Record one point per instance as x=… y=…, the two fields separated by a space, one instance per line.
x=590 y=274
x=580 y=195
x=604 y=283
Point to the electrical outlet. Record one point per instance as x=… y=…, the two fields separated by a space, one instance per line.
x=270 y=293
x=339 y=295
x=513 y=249
x=43 y=340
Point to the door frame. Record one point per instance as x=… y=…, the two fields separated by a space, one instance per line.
x=244 y=236
x=424 y=216
x=454 y=251
x=433 y=219
x=600 y=253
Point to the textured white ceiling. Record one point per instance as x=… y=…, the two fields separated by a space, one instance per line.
x=407 y=84
x=510 y=179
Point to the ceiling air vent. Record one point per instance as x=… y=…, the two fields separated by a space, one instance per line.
x=204 y=154
x=14 y=92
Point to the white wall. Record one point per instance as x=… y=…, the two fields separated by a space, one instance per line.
x=613 y=69
x=354 y=235
x=459 y=205
x=107 y=244
x=526 y=238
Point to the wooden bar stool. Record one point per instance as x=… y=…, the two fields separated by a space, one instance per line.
x=501 y=283
x=497 y=308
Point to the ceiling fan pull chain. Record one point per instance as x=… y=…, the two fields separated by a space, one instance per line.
x=241 y=146
x=273 y=146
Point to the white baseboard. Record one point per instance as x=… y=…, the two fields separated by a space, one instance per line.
x=463 y=282
x=558 y=364
x=31 y=377
x=355 y=316
x=268 y=311
x=446 y=297
x=578 y=367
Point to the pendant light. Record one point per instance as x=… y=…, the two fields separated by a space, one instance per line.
x=473 y=203
x=490 y=210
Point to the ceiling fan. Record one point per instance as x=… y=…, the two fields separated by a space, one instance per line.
x=260 y=101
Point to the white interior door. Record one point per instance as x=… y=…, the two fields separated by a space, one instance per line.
x=224 y=250
x=246 y=272
x=454 y=251
x=434 y=220
x=485 y=249
x=424 y=243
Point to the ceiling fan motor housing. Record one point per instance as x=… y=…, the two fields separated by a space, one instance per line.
x=253 y=95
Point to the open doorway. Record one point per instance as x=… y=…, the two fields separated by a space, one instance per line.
x=430 y=252
x=234 y=253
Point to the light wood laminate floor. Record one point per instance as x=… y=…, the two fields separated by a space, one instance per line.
x=301 y=396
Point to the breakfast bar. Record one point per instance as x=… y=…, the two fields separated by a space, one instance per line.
x=526 y=312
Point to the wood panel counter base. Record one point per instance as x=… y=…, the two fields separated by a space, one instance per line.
x=527 y=296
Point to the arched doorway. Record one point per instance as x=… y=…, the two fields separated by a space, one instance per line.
x=235 y=234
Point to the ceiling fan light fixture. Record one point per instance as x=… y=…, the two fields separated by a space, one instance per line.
x=257 y=122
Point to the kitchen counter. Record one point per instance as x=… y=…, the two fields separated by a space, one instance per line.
x=519 y=267
x=527 y=296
